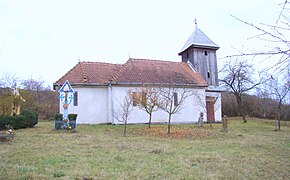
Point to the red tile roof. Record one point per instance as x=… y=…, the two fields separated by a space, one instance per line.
x=134 y=71
x=90 y=72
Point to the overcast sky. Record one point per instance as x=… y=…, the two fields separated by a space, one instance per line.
x=43 y=39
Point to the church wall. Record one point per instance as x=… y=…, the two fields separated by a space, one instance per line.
x=189 y=113
x=92 y=105
x=94 y=108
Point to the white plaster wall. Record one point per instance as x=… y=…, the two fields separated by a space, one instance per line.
x=217 y=105
x=92 y=105
x=189 y=113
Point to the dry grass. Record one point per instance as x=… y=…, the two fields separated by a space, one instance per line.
x=248 y=151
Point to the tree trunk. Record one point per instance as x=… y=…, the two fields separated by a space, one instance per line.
x=226 y=124
x=241 y=110
x=169 y=121
x=125 y=128
x=244 y=118
x=279 y=118
x=149 y=124
x=278 y=127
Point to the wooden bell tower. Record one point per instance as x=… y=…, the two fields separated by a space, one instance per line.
x=200 y=51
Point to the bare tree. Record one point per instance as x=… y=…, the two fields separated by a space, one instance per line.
x=172 y=100
x=9 y=80
x=122 y=114
x=276 y=38
x=147 y=99
x=278 y=89
x=238 y=77
x=34 y=87
x=2 y=83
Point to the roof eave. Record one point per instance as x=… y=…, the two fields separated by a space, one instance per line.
x=199 y=46
x=159 y=84
x=80 y=84
x=133 y=84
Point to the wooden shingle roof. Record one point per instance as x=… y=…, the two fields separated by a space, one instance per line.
x=200 y=40
x=134 y=71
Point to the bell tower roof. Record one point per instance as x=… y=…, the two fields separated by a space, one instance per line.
x=199 y=40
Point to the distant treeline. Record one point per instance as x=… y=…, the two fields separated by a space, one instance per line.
x=43 y=101
x=254 y=106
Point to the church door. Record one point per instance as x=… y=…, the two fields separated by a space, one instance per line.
x=210 y=110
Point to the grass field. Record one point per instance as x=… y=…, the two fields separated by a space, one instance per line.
x=248 y=151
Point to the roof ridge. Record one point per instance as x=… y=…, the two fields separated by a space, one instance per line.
x=139 y=59
x=93 y=62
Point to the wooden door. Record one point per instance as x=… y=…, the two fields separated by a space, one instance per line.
x=210 y=111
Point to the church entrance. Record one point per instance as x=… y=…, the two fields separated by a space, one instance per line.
x=210 y=109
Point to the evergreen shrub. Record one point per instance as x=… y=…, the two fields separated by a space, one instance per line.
x=27 y=119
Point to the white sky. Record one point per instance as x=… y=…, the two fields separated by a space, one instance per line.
x=43 y=39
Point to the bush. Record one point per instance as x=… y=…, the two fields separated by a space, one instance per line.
x=57 y=116
x=31 y=118
x=3 y=122
x=27 y=119
x=18 y=122
x=58 y=120
x=72 y=117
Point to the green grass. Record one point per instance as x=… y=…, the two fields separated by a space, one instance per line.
x=248 y=151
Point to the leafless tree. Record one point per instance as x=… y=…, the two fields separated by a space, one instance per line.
x=122 y=114
x=36 y=86
x=278 y=89
x=2 y=83
x=147 y=99
x=275 y=36
x=33 y=85
x=238 y=77
x=9 y=80
x=172 y=100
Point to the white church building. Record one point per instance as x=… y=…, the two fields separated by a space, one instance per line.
x=99 y=87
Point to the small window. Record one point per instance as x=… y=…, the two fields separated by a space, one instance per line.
x=205 y=53
x=144 y=99
x=187 y=55
x=75 y=98
x=134 y=95
x=208 y=74
x=175 y=99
